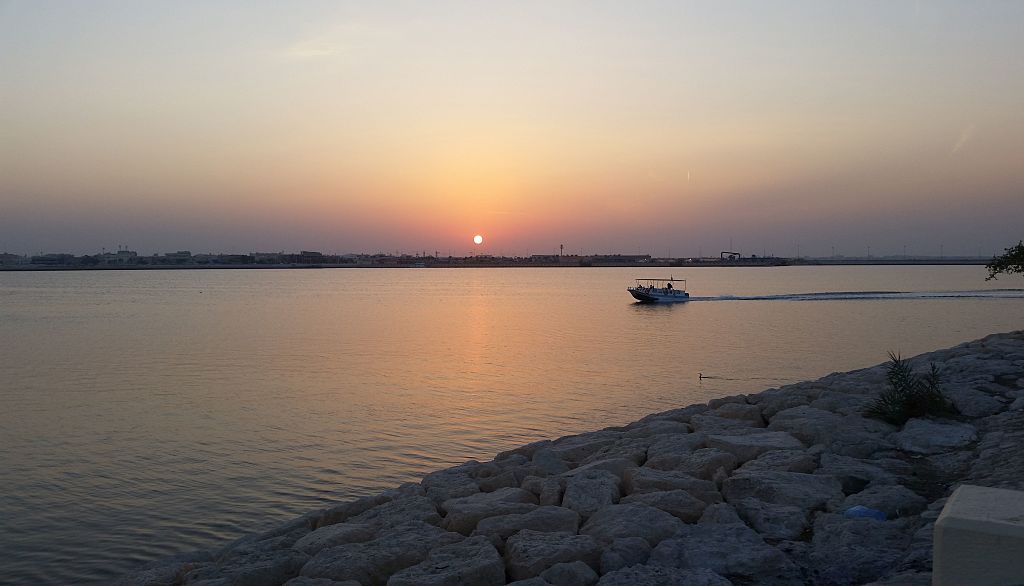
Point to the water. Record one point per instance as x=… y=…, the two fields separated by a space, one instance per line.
x=149 y=413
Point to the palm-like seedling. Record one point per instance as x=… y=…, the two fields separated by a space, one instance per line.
x=909 y=395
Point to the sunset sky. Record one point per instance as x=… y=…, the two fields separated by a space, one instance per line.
x=659 y=127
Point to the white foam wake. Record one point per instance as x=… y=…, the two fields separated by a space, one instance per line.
x=873 y=295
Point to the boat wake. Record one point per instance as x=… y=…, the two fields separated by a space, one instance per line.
x=872 y=295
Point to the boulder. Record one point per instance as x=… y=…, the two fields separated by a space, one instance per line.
x=742 y=411
x=333 y=535
x=973 y=403
x=804 y=491
x=849 y=435
x=548 y=490
x=472 y=561
x=645 y=479
x=570 y=574
x=667 y=451
x=749 y=446
x=304 y=581
x=544 y=519
x=854 y=474
x=773 y=521
x=721 y=513
x=373 y=562
x=682 y=414
x=658 y=427
x=783 y=461
x=631 y=520
x=708 y=423
x=893 y=499
x=577 y=448
x=547 y=462
x=264 y=568
x=528 y=553
x=662 y=576
x=616 y=466
x=677 y=503
x=856 y=551
x=591 y=490
x=703 y=463
x=464 y=513
x=417 y=508
x=731 y=550
x=924 y=436
x=506 y=479
x=345 y=511
x=624 y=552
x=451 y=483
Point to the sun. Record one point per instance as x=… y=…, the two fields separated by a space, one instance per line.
x=478 y=239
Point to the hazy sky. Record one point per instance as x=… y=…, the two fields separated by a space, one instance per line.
x=607 y=126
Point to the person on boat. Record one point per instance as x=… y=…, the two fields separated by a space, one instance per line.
x=669 y=287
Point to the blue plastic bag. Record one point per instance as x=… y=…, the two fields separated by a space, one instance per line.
x=860 y=511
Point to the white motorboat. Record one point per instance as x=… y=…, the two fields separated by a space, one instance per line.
x=659 y=290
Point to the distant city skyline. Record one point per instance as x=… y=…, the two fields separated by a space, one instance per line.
x=663 y=128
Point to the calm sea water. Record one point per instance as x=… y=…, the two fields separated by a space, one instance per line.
x=149 y=413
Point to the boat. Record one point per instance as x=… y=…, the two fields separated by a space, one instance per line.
x=659 y=290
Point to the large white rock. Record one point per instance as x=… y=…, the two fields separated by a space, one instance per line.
x=373 y=562
x=451 y=483
x=894 y=500
x=472 y=561
x=332 y=535
x=528 y=553
x=666 y=452
x=856 y=551
x=590 y=491
x=804 y=491
x=703 y=463
x=417 y=508
x=631 y=520
x=732 y=550
x=743 y=411
x=662 y=576
x=545 y=519
x=624 y=552
x=924 y=436
x=783 y=461
x=646 y=479
x=773 y=521
x=464 y=513
x=749 y=446
x=677 y=503
x=570 y=574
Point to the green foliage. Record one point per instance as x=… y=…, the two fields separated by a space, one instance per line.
x=1012 y=261
x=909 y=395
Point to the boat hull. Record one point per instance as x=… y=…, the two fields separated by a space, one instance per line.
x=644 y=296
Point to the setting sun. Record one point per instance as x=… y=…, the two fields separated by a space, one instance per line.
x=478 y=239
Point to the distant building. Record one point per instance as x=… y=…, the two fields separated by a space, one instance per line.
x=308 y=257
x=182 y=257
x=54 y=260
x=7 y=259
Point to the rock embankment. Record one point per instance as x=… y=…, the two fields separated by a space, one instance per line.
x=749 y=489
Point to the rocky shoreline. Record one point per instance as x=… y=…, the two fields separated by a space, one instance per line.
x=748 y=489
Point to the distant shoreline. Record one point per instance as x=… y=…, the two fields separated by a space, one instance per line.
x=498 y=264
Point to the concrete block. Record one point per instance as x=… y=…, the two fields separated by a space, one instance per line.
x=979 y=538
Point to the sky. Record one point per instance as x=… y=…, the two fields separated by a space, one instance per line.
x=666 y=128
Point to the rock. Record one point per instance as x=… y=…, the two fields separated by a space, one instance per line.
x=472 y=561
x=850 y=435
x=646 y=479
x=547 y=462
x=616 y=466
x=304 y=581
x=804 y=491
x=856 y=551
x=632 y=449
x=973 y=403
x=570 y=574
x=545 y=519
x=750 y=446
x=774 y=401
x=773 y=521
x=782 y=461
x=661 y=576
x=853 y=473
x=658 y=427
x=590 y=491
x=418 y=508
x=733 y=550
x=528 y=553
x=683 y=414
x=624 y=552
x=578 y=447
x=677 y=503
x=506 y=479
x=451 y=483
x=742 y=411
x=704 y=462
x=345 y=511
x=333 y=535
x=912 y=578
x=465 y=512
x=267 y=568
x=727 y=400
x=536 y=581
x=722 y=513
x=924 y=436
x=708 y=423
x=667 y=451
x=373 y=562
x=894 y=500
x=526 y=451
x=630 y=520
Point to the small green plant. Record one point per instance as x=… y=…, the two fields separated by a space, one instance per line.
x=909 y=395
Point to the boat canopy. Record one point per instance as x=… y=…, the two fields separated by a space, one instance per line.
x=660 y=283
